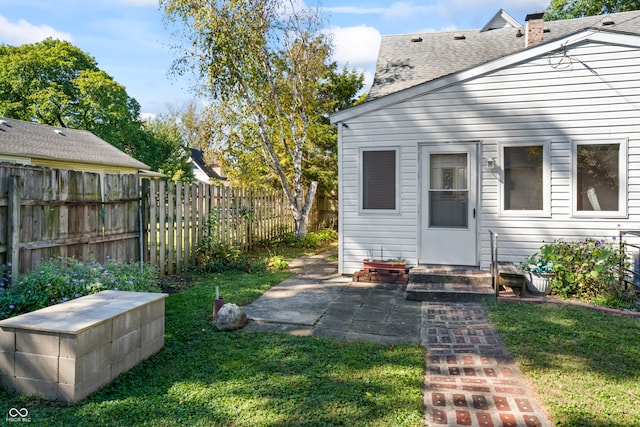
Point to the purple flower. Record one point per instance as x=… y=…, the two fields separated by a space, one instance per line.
x=76 y=296
x=614 y=237
x=11 y=306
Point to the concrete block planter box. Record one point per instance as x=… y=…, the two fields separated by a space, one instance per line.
x=66 y=351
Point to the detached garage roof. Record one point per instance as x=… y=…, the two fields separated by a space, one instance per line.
x=20 y=139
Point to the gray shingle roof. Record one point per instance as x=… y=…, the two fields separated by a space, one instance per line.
x=198 y=158
x=403 y=63
x=25 y=139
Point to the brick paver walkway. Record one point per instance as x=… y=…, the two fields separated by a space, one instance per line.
x=470 y=378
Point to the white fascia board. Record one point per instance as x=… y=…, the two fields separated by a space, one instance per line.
x=468 y=74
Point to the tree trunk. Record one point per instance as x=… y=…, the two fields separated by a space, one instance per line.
x=301 y=214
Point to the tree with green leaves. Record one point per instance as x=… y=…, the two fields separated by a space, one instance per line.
x=55 y=83
x=167 y=151
x=567 y=9
x=264 y=65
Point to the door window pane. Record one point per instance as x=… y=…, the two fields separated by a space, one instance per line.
x=379 y=179
x=448 y=192
x=448 y=209
x=598 y=177
x=523 y=178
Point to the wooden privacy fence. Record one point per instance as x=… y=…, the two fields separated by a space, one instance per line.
x=178 y=216
x=47 y=213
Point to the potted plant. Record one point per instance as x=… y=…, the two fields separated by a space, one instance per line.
x=538 y=271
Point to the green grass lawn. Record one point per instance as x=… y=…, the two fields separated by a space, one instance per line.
x=583 y=364
x=204 y=377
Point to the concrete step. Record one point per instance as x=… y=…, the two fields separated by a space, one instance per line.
x=449 y=284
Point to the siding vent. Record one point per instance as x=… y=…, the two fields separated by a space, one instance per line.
x=416 y=40
x=519 y=33
x=459 y=36
x=608 y=21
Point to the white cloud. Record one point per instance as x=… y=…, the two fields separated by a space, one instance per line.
x=357 y=46
x=21 y=32
x=148 y=117
x=396 y=10
x=368 y=80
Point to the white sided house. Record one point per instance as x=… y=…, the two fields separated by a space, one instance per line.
x=530 y=131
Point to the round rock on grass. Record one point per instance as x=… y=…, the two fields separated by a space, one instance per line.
x=230 y=317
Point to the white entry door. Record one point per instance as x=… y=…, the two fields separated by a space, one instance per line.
x=448 y=204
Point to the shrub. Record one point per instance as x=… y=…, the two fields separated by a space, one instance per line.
x=216 y=255
x=62 y=279
x=311 y=240
x=587 y=268
x=277 y=263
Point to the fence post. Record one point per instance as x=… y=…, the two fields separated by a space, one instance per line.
x=13 y=239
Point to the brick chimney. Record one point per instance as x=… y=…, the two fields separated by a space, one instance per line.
x=534 y=29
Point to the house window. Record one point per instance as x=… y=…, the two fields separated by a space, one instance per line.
x=600 y=179
x=526 y=184
x=379 y=179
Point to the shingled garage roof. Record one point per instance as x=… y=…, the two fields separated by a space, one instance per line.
x=408 y=60
x=32 y=140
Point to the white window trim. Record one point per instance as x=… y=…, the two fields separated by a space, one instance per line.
x=363 y=211
x=546 y=180
x=623 y=171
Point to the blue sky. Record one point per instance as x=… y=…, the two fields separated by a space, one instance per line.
x=130 y=42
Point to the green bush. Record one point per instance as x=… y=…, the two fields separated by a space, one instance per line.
x=313 y=239
x=216 y=255
x=277 y=263
x=587 y=268
x=62 y=279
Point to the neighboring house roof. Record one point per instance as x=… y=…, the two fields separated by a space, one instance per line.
x=20 y=139
x=213 y=172
x=408 y=60
x=500 y=20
